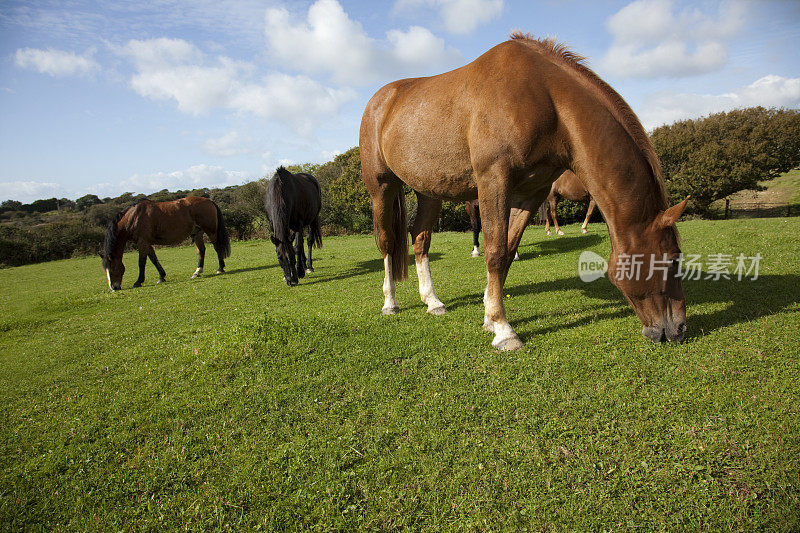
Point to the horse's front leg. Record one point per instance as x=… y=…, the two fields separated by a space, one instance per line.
x=143 y=251
x=427 y=212
x=161 y=272
x=301 y=255
x=494 y=197
x=201 y=253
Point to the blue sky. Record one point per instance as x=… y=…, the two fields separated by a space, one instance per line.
x=109 y=97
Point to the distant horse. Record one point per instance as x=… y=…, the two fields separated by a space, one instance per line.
x=502 y=129
x=473 y=211
x=148 y=223
x=293 y=202
x=570 y=187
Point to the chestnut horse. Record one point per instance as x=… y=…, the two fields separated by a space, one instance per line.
x=148 y=223
x=474 y=214
x=502 y=129
x=570 y=187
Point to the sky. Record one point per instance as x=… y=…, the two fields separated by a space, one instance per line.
x=115 y=96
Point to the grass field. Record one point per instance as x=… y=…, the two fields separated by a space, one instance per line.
x=235 y=402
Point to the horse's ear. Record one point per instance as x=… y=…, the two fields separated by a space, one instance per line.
x=670 y=216
x=275 y=241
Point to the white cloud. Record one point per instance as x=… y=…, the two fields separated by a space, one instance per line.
x=229 y=144
x=194 y=177
x=328 y=155
x=55 y=62
x=770 y=91
x=173 y=69
x=653 y=40
x=330 y=42
x=28 y=191
x=459 y=16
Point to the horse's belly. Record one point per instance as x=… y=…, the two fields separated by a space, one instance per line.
x=434 y=171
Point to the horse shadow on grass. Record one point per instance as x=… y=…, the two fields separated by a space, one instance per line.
x=746 y=300
x=559 y=245
x=251 y=269
x=361 y=268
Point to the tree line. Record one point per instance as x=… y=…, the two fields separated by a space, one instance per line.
x=709 y=158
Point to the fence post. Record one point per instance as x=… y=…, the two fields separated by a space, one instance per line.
x=727 y=204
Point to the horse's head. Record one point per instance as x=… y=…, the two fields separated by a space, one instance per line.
x=286 y=260
x=645 y=268
x=113 y=247
x=114 y=270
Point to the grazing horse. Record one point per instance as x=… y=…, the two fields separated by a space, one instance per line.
x=473 y=211
x=293 y=202
x=148 y=223
x=570 y=187
x=502 y=129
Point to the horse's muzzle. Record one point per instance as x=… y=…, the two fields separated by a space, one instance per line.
x=660 y=334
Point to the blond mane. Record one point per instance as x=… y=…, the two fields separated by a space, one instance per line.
x=560 y=53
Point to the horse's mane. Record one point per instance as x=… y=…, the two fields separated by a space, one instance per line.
x=110 y=242
x=614 y=102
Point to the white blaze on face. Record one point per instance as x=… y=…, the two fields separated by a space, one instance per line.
x=108 y=275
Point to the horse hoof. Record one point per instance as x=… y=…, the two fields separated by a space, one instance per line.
x=137 y=285
x=220 y=271
x=560 y=232
x=195 y=275
x=584 y=231
x=476 y=254
x=549 y=232
x=509 y=344
x=438 y=311
x=309 y=270
x=390 y=310
x=161 y=280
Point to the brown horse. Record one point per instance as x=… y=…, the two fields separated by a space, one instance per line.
x=148 y=223
x=474 y=214
x=570 y=187
x=502 y=129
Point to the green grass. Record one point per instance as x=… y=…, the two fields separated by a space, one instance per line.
x=235 y=402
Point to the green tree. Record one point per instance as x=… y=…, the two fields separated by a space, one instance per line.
x=713 y=157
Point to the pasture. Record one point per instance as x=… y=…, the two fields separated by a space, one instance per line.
x=234 y=401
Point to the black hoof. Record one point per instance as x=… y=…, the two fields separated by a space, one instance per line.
x=137 y=284
x=161 y=280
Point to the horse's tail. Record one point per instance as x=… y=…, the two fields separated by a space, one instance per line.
x=399 y=249
x=314 y=233
x=223 y=242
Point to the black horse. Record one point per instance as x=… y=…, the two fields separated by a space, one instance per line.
x=293 y=202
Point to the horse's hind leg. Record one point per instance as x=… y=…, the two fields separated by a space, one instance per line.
x=475 y=220
x=300 y=254
x=161 y=273
x=428 y=210
x=143 y=251
x=552 y=201
x=589 y=212
x=309 y=263
x=201 y=253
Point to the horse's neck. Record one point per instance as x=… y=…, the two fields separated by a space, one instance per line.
x=619 y=177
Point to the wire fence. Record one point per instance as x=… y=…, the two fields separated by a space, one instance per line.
x=751 y=209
